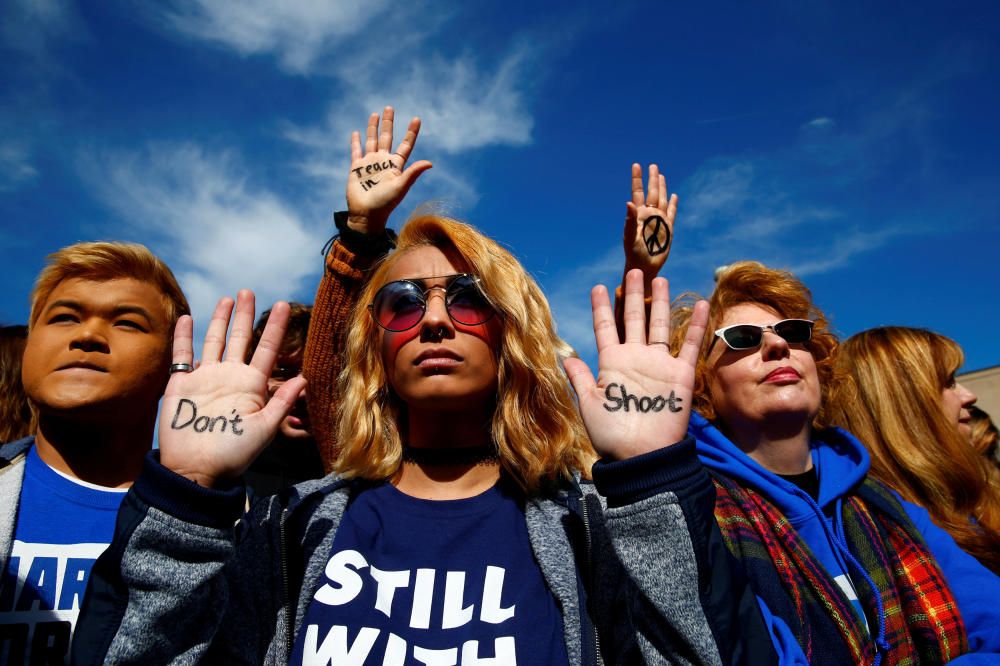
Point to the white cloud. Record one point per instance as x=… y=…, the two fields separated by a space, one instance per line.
x=373 y=57
x=462 y=107
x=821 y=122
x=16 y=168
x=198 y=211
x=717 y=191
x=755 y=208
x=297 y=32
x=776 y=207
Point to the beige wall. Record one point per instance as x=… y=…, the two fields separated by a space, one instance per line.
x=985 y=384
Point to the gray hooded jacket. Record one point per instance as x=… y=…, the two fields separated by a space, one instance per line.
x=639 y=578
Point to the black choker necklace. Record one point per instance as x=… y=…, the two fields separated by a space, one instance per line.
x=452 y=457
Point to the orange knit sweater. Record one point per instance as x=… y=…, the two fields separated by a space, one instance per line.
x=343 y=278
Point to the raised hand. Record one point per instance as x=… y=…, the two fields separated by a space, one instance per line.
x=377 y=181
x=649 y=224
x=641 y=400
x=215 y=420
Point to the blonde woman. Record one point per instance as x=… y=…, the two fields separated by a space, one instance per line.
x=457 y=527
x=897 y=393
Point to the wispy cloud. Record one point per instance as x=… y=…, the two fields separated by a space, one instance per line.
x=792 y=207
x=32 y=27
x=297 y=32
x=372 y=57
x=820 y=123
x=218 y=230
x=16 y=168
x=463 y=105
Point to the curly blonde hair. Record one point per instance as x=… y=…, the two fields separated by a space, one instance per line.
x=778 y=290
x=536 y=426
x=888 y=394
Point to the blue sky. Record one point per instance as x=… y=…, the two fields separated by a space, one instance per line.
x=852 y=142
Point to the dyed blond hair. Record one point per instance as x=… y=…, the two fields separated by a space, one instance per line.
x=17 y=419
x=754 y=283
x=888 y=394
x=536 y=426
x=103 y=261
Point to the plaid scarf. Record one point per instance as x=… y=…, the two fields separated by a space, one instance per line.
x=919 y=621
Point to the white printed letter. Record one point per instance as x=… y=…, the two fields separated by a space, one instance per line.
x=454 y=592
x=348 y=581
x=492 y=611
x=388 y=581
x=504 y=653
x=395 y=651
x=423 y=597
x=447 y=657
x=334 y=649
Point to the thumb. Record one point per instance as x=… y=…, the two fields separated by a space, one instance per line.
x=631 y=222
x=580 y=377
x=282 y=402
x=413 y=172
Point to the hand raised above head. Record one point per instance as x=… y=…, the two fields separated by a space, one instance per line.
x=641 y=400
x=377 y=181
x=216 y=419
x=649 y=223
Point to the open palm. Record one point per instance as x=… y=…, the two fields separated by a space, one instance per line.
x=641 y=399
x=215 y=420
x=649 y=223
x=379 y=178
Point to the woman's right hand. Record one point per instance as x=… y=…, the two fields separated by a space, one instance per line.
x=215 y=420
x=377 y=182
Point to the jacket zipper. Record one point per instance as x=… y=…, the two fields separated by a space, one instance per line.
x=590 y=569
x=880 y=644
x=289 y=618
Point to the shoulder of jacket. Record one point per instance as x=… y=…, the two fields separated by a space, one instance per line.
x=12 y=451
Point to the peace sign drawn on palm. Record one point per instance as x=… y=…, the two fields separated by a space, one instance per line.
x=649 y=223
x=377 y=181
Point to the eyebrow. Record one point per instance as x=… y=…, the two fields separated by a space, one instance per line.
x=115 y=311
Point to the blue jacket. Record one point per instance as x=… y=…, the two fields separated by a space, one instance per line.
x=842 y=462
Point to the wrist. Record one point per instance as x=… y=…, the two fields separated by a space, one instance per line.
x=359 y=233
x=366 y=223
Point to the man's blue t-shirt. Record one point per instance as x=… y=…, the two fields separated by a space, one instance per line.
x=413 y=581
x=62 y=528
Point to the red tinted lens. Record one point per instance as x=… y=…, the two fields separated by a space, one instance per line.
x=398 y=306
x=466 y=303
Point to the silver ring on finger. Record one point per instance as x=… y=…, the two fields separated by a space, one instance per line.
x=181 y=367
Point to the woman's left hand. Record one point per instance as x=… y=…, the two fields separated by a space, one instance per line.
x=641 y=400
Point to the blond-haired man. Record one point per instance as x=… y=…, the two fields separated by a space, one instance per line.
x=96 y=362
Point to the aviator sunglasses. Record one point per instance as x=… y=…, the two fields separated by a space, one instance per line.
x=401 y=304
x=750 y=336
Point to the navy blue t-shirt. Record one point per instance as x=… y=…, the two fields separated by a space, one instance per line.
x=413 y=581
